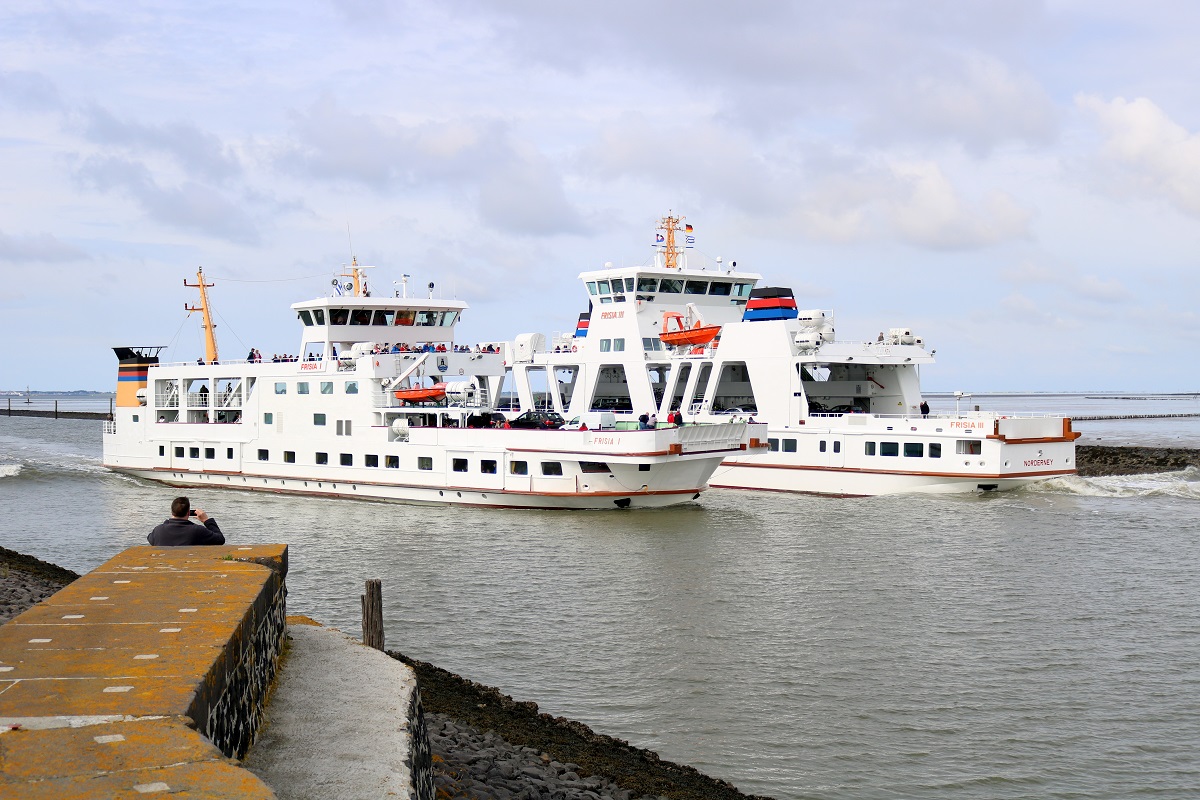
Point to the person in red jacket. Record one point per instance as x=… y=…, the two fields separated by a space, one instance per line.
x=179 y=531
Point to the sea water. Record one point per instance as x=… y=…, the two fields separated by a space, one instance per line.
x=1037 y=643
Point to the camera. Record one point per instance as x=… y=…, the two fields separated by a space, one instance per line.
x=192 y=513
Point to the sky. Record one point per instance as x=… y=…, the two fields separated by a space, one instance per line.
x=1016 y=181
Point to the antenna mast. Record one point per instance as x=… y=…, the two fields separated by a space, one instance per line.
x=670 y=224
x=210 y=337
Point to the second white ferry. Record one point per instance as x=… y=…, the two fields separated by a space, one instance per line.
x=845 y=417
x=381 y=403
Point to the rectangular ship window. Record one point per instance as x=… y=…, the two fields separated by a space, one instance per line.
x=425 y=462
x=322 y=458
x=869 y=448
x=179 y=452
x=593 y=466
x=391 y=462
x=302 y=388
x=289 y=456
x=837 y=447
x=969 y=447
x=519 y=468
x=281 y=388
x=351 y=387
x=935 y=449
x=914 y=449
x=460 y=465
x=889 y=448
x=162 y=450
x=551 y=468
x=318 y=419
x=347 y=460
x=487 y=466
x=263 y=455
x=210 y=452
x=193 y=452
x=773 y=445
x=326 y=387
x=268 y=418
x=229 y=452
x=371 y=460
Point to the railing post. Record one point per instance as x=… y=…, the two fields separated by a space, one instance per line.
x=372 y=614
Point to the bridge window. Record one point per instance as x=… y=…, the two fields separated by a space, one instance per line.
x=306 y=317
x=405 y=316
x=671 y=286
x=695 y=287
x=319 y=315
x=339 y=316
x=603 y=287
x=647 y=285
x=742 y=289
x=383 y=317
x=361 y=316
x=720 y=288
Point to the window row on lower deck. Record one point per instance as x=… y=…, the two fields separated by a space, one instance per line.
x=972 y=447
x=485 y=466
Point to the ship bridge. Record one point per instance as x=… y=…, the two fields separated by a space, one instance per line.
x=335 y=324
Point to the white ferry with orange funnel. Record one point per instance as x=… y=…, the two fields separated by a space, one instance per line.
x=844 y=416
x=382 y=403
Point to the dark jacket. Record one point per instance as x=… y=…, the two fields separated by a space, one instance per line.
x=181 y=532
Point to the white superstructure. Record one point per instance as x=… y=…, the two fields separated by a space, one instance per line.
x=380 y=402
x=844 y=417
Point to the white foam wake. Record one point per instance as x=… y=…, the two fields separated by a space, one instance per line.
x=10 y=470
x=1184 y=485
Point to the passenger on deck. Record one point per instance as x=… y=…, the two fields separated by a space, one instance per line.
x=178 y=531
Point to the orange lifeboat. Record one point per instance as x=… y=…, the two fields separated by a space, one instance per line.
x=683 y=336
x=422 y=394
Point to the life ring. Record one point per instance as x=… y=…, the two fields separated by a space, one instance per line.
x=574 y=348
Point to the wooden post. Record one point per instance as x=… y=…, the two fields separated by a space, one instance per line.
x=56 y=409
x=372 y=614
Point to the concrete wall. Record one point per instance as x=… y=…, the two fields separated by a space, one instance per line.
x=106 y=687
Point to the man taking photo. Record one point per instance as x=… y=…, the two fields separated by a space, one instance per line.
x=179 y=531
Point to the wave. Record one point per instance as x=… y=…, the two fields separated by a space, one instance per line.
x=10 y=470
x=1184 y=485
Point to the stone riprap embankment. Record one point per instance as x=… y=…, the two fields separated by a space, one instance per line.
x=25 y=581
x=1098 y=460
x=490 y=733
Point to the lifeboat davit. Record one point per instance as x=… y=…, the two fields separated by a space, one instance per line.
x=422 y=394
x=683 y=336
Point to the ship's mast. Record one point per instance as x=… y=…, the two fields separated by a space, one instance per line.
x=356 y=273
x=670 y=224
x=210 y=336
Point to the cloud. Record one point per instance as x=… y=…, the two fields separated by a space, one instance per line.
x=190 y=205
x=929 y=211
x=198 y=152
x=517 y=187
x=38 y=248
x=25 y=90
x=1064 y=276
x=1145 y=152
